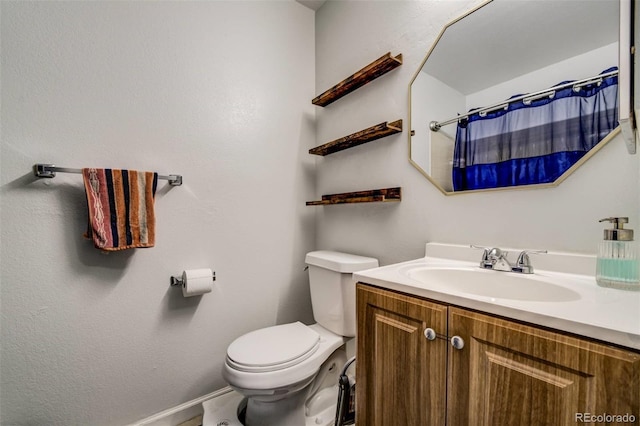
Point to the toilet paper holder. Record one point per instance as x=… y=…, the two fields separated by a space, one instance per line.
x=178 y=281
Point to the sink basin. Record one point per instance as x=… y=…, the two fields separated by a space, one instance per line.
x=494 y=284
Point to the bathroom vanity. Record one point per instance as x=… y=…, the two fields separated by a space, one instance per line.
x=442 y=341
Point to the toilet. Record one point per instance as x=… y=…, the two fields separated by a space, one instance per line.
x=284 y=370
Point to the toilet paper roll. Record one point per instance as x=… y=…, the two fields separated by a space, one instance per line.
x=196 y=282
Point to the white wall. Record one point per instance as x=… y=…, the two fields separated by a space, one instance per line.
x=431 y=100
x=216 y=91
x=349 y=35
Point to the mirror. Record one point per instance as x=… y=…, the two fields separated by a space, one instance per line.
x=516 y=50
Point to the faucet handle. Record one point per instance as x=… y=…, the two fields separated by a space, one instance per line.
x=523 y=257
x=485 y=255
x=496 y=253
x=524 y=263
x=486 y=249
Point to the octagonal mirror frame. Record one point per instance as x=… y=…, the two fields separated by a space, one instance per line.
x=625 y=50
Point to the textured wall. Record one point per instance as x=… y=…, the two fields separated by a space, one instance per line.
x=351 y=34
x=220 y=93
x=216 y=91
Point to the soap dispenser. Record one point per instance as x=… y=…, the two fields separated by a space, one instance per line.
x=617 y=262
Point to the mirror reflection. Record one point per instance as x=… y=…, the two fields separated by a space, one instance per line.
x=516 y=93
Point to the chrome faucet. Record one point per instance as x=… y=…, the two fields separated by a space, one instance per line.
x=523 y=264
x=499 y=261
x=496 y=259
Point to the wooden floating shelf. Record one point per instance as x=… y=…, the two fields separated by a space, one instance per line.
x=374 y=195
x=367 y=74
x=367 y=135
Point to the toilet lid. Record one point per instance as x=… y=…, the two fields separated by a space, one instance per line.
x=273 y=348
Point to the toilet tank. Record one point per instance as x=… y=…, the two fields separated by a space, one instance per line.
x=333 y=291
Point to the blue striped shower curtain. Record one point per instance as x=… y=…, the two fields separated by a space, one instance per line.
x=535 y=143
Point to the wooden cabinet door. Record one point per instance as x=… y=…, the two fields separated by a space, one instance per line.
x=400 y=374
x=509 y=374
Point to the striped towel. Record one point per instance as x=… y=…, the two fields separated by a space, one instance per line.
x=120 y=204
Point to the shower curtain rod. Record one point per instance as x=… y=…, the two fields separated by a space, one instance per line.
x=550 y=92
x=49 y=171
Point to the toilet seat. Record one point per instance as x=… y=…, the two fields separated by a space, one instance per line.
x=251 y=382
x=273 y=348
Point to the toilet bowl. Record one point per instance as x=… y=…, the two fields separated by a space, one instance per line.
x=273 y=361
x=277 y=379
x=281 y=369
x=229 y=409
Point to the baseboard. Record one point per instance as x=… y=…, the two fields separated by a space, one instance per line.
x=180 y=413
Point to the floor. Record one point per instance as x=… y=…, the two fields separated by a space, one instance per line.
x=196 y=421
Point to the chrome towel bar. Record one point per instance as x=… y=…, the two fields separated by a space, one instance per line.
x=49 y=171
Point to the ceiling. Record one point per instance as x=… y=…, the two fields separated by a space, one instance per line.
x=312 y=4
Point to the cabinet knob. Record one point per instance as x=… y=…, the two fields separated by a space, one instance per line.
x=429 y=333
x=457 y=342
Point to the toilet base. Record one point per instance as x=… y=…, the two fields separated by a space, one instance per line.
x=283 y=412
x=223 y=410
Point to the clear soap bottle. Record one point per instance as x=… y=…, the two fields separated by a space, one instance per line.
x=617 y=262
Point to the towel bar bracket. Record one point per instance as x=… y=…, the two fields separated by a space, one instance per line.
x=175 y=180
x=44 y=170
x=49 y=171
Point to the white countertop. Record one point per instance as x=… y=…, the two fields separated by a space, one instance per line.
x=605 y=314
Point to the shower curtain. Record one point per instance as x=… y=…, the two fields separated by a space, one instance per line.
x=536 y=142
